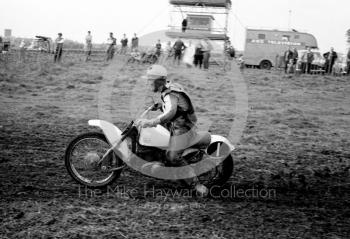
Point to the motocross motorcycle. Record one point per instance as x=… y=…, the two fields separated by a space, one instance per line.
x=96 y=160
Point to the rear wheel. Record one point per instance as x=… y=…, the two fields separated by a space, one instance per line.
x=82 y=157
x=217 y=175
x=265 y=65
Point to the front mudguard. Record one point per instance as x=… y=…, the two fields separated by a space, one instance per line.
x=113 y=135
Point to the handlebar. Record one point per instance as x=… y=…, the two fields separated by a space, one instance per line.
x=146 y=112
x=132 y=123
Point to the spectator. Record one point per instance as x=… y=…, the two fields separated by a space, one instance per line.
x=295 y=56
x=124 y=43
x=198 y=56
x=134 y=43
x=348 y=63
x=207 y=48
x=59 y=48
x=178 y=47
x=88 y=46
x=330 y=57
x=307 y=59
x=291 y=66
x=288 y=55
x=168 y=53
x=299 y=67
x=241 y=62
x=169 y=49
x=112 y=42
x=0 y=44
x=184 y=25
x=22 y=51
x=230 y=51
x=158 y=49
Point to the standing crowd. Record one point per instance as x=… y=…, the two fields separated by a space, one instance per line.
x=305 y=61
x=88 y=46
x=177 y=51
x=309 y=62
x=192 y=54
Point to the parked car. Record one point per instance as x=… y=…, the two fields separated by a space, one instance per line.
x=41 y=43
x=318 y=64
x=340 y=66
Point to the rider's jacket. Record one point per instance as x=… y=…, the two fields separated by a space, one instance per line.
x=177 y=107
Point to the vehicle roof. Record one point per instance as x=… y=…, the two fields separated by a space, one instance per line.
x=208 y=3
x=276 y=30
x=312 y=50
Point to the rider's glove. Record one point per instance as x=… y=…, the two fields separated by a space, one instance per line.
x=156 y=107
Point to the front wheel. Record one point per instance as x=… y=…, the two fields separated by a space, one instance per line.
x=82 y=161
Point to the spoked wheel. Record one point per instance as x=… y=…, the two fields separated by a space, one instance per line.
x=218 y=175
x=82 y=159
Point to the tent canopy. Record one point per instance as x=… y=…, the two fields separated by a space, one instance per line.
x=207 y=3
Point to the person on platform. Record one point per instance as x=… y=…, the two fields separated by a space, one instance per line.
x=184 y=25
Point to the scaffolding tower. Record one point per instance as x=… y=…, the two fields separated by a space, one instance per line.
x=203 y=19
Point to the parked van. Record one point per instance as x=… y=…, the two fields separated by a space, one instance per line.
x=263 y=48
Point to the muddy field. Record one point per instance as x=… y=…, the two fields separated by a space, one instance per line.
x=294 y=153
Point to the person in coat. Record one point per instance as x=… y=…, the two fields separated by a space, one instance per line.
x=330 y=57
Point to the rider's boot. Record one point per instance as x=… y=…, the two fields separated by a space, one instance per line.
x=151 y=168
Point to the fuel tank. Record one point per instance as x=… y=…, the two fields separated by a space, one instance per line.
x=157 y=137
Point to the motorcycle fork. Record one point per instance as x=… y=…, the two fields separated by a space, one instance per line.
x=117 y=144
x=111 y=150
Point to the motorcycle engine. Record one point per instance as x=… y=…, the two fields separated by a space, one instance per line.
x=150 y=154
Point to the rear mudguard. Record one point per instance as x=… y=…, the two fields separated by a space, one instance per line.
x=113 y=135
x=228 y=147
x=214 y=139
x=219 y=138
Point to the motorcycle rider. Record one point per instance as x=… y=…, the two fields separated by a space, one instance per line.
x=178 y=114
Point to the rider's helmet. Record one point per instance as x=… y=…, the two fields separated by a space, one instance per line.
x=157 y=75
x=156 y=71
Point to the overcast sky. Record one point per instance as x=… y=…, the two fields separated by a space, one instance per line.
x=327 y=20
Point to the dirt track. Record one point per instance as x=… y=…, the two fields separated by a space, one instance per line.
x=296 y=143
